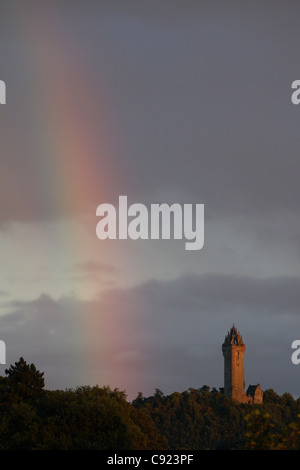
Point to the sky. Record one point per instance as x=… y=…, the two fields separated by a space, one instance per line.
x=165 y=102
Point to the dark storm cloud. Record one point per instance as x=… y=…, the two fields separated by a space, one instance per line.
x=167 y=334
x=214 y=293
x=200 y=98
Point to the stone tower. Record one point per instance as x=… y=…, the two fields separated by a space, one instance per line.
x=233 y=350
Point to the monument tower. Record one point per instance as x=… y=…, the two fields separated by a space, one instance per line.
x=233 y=350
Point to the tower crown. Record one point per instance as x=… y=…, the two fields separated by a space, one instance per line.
x=233 y=337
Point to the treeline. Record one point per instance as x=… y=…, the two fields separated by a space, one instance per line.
x=207 y=419
x=94 y=418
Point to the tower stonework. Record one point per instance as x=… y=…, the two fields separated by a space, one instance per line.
x=233 y=350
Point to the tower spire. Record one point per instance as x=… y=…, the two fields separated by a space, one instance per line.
x=234 y=337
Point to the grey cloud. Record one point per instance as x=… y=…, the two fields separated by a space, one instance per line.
x=46 y=332
x=181 y=324
x=160 y=334
x=91 y=266
x=201 y=105
x=213 y=293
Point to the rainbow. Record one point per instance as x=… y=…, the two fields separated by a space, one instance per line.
x=72 y=140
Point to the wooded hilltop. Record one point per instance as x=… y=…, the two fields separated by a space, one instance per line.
x=99 y=418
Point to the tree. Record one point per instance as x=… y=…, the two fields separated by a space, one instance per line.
x=139 y=400
x=158 y=393
x=24 y=382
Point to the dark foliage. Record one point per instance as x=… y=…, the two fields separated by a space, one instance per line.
x=90 y=418
x=207 y=419
x=95 y=418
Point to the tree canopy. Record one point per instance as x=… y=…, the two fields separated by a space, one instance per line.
x=99 y=418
